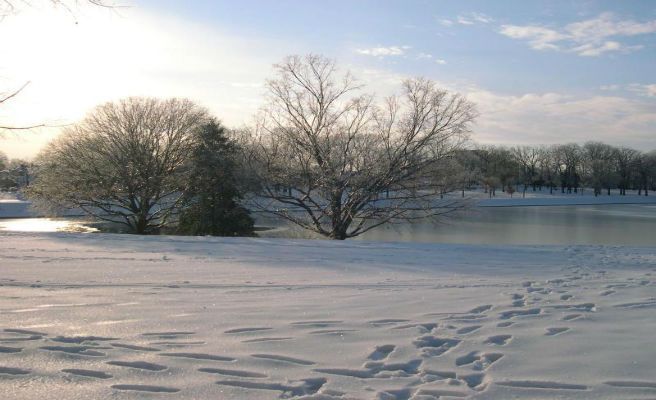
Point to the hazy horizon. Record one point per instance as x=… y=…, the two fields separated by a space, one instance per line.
x=539 y=72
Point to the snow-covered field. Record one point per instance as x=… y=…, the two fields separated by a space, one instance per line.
x=126 y=317
x=571 y=200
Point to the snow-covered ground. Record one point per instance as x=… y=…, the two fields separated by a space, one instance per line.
x=559 y=200
x=126 y=317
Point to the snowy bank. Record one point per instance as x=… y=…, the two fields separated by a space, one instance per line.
x=571 y=200
x=100 y=316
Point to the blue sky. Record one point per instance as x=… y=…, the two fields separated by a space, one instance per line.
x=540 y=71
x=467 y=35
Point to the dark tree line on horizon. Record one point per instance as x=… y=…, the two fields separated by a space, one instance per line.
x=566 y=168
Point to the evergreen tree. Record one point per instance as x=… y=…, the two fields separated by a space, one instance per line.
x=213 y=195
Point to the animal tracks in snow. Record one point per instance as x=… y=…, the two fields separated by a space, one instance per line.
x=233 y=372
x=433 y=346
x=556 y=331
x=542 y=385
x=143 y=365
x=381 y=352
x=428 y=353
x=87 y=373
x=478 y=360
x=499 y=340
x=284 y=359
x=13 y=371
x=146 y=388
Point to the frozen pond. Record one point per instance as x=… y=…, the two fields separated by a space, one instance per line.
x=599 y=224
x=44 y=225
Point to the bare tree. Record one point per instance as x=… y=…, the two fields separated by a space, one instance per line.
x=626 y=160
x=528 y=158
x=646 y=172
x=549 y=167
x=498 y=168
x=569 y=158
x=600 y=161
x=331 y=160
x=124 y=163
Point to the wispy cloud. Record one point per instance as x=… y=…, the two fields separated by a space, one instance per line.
x=588 y=38
x=474 y=18
x=440 y=61
x=383 y=51
x=464 y=21
x=641 y=89
x=445 y=22
x=467 y=19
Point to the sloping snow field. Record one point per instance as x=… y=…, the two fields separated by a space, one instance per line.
x=95 y=316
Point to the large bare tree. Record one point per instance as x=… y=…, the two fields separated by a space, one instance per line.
x=125 y=162
x=330 y=159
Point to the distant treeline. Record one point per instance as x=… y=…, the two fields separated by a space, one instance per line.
x=567 y=168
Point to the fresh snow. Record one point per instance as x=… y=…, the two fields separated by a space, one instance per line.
x=92 y=316
x=572 y=200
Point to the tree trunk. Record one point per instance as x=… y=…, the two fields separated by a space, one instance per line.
x=140 y=225
x=339 y=226
x=338 y=235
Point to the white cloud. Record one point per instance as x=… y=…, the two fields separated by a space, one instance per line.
x=594 y=49
x=383 y=51
x=543 y=118
x=464 y=21
x=539 y=38
x=588 y=38
x=549 y=118
x=424 y=56
x=643 y=90
x=467 y=19
x=440 y=61
x=482 y=18
x=473 y=18
x=446 y=22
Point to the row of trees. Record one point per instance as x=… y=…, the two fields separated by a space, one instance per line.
x=14 y=173
x=568 y=168
x=324 y=155
x=145 y=164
